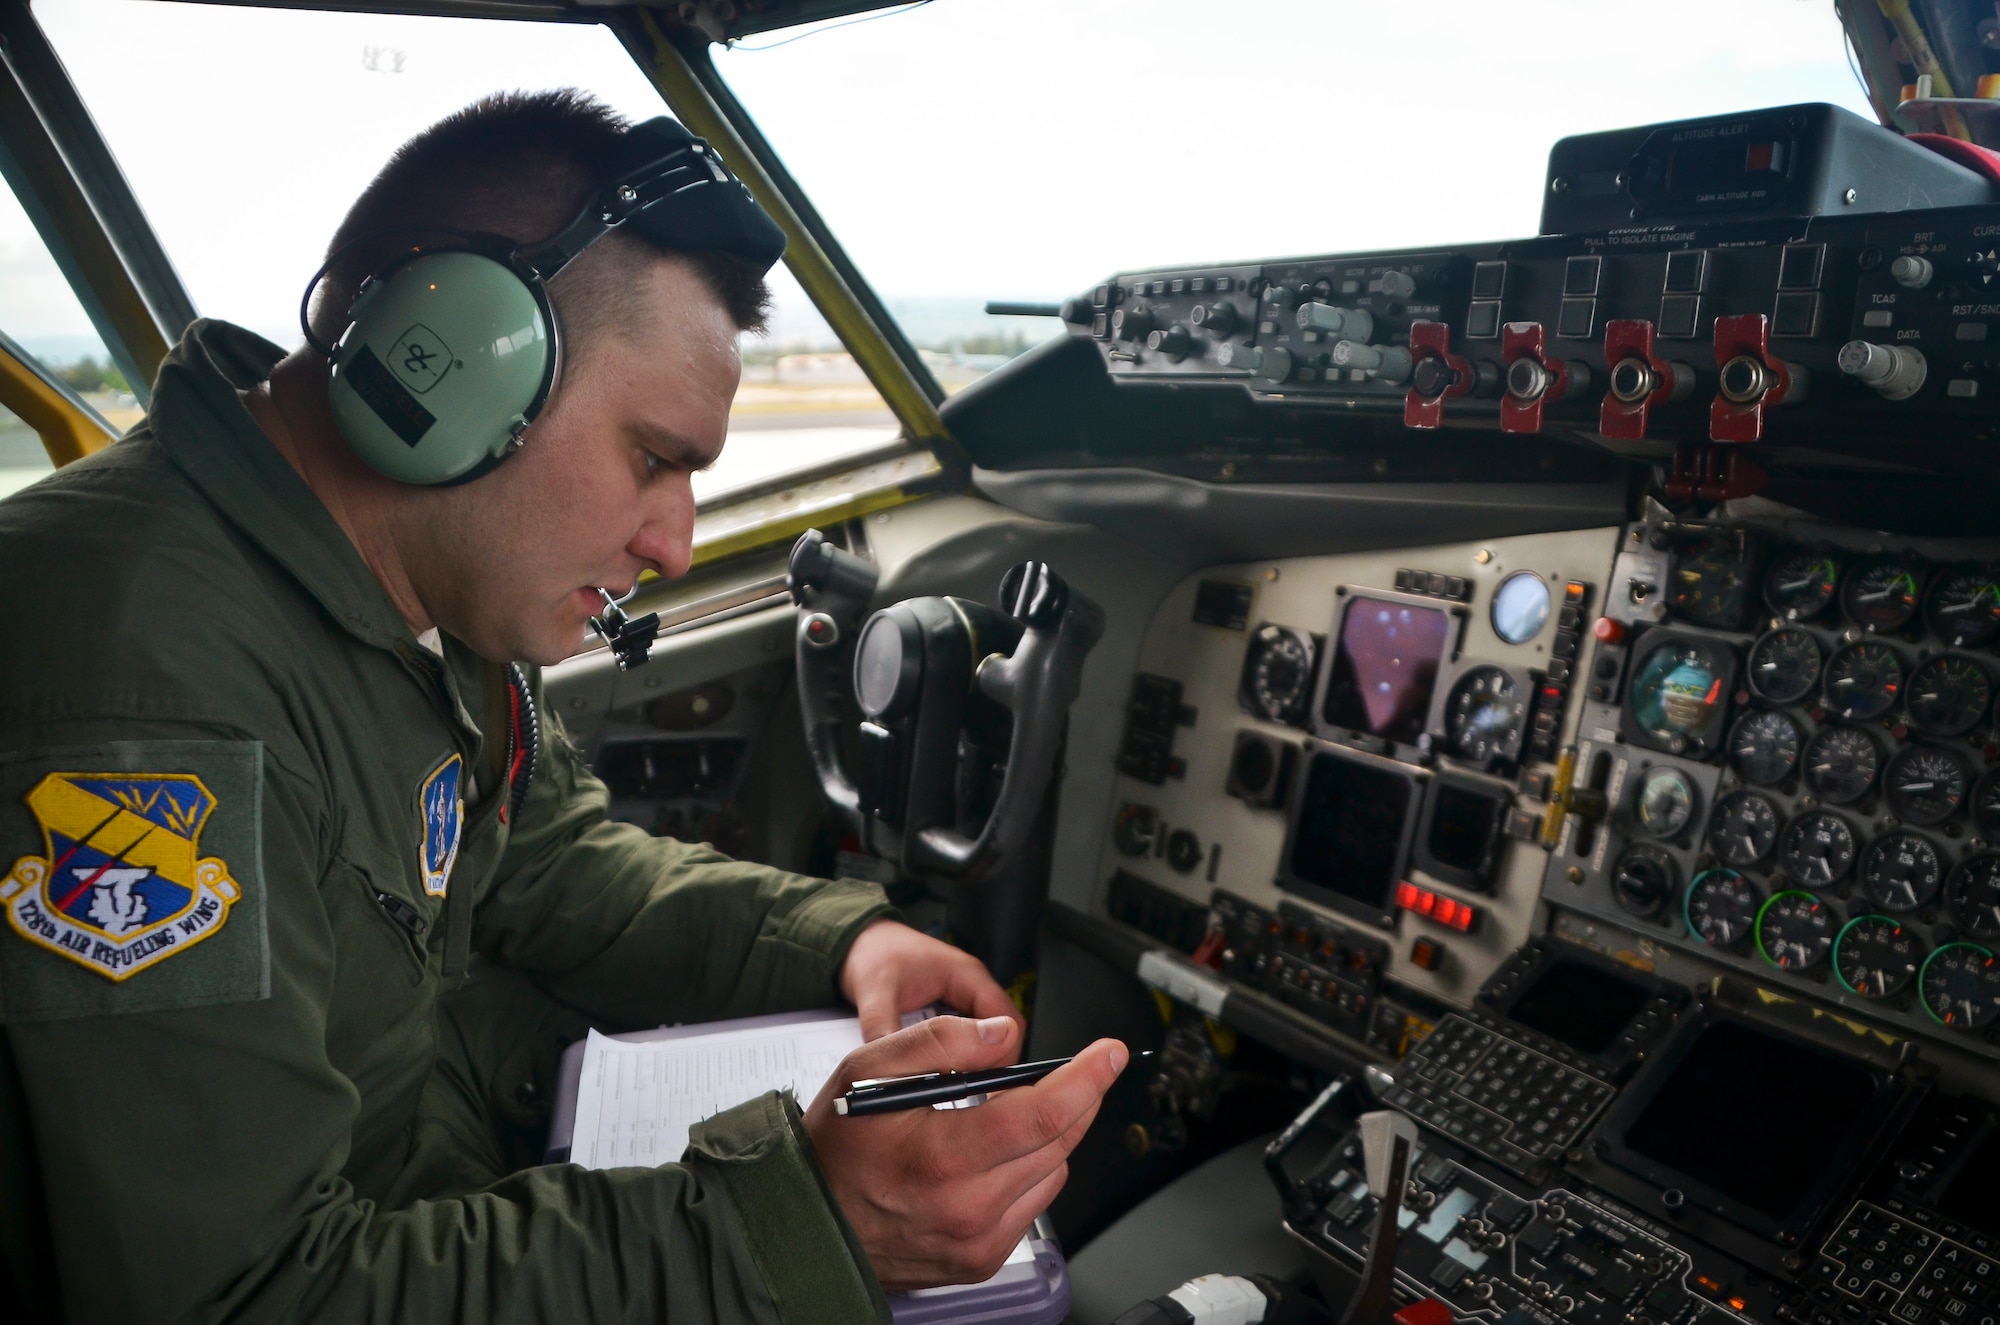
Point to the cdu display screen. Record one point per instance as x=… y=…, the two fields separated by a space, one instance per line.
x=1385 y=665
x=1350 y=838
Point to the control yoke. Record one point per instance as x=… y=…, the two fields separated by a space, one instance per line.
x=963 y=707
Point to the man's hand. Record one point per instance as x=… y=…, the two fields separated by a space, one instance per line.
x=892 y=969
x=940 y=1196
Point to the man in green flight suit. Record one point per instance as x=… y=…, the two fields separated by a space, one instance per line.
x=299 y=909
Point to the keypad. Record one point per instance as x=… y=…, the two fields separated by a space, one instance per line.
x=1909 y=1265
x=1516 y=1104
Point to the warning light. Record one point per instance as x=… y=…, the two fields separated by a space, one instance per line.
x=1737 y=1303
x=1460 y=916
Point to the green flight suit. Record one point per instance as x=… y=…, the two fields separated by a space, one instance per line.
x=267 y=1019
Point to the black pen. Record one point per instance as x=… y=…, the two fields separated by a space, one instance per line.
x=887 y=1094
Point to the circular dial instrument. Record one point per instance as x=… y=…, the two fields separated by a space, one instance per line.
x=1794 y=930
x=1764 y=746
x=1948 y=695
x=1973 y=894
x=1721 y=907
x=1841 y=764
x=1743 y=828
x=1664 y=802
x=1986 y=804
x=1801 y=586
x=1863 y=680
x=1278 y=673
x=1709 y=583
x=1881 y=595
x=1817 y=849
x=1960 y=986
x=1963 y=606
x=1785 y=665
x=1643 y=877
x=1676 y=695
x=1876 y=957
x=1520 y=607
x=1483 y=716
x=1901 y=872
x=1925 y=784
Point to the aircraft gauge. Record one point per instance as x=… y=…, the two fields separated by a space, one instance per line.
x=1643 y=877
x=1785 y=665
x=1948 y=695
x=1665 y=802
x=1484 y=716
x=1801 y=586
x=1876 y=957
x=1764 y=746
x=1679 y=694
x=1710 y=583
x=1973 y=894
x=1881 y=595
x=1925 y=784
x=1963 y=607
x=1841 y=764
x=1743 y=829
x=1901 y=872
x=1277 y=673
x=1817 y=849
x=1960 y=986
x=1863 y=680
x=1721 y=907
x=1794 y=931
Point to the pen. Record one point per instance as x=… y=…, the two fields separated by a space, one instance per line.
x=887 y=1094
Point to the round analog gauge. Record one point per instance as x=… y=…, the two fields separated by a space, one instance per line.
x=1960 y=986
x=1841 y=764
x=1764 y=746
x=1986 y=804
x=1785 y=665
x=1483 y=716
x=1881 y=595
x=1800 y=586
x=1948 y=695
x=1643 y=877
x=1876 y=957
x=1925 y=784
x=1721 y=907
x=1863 y=680
x=1664 y=802
x=1520 y=607
x=1709 y=583
x=1817 y=849
x=1795 y=931
x=1963 y=607
x=1901 y=872
x=1743 y=828
x=1676 y=696
x=1278 y=673
x=1973 y=894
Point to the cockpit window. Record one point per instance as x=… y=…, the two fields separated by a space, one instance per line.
x=966 y=152
x=280 y=117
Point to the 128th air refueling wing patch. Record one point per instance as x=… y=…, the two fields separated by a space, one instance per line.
x=122 y=884
x=444 y=816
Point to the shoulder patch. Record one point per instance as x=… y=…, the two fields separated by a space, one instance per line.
x=442 y=804
x=126 y=882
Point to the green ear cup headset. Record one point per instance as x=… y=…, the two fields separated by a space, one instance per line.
x=452 y=350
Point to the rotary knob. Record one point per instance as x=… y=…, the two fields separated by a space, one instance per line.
x=1273 y=365
x=1348 y=323
x=1386 y=363
x=1897 y=371
x=1174 y=342
x=1911 y=272
x=1983 y=269
x=1133 y=323
x=1398 y=284
x=1217 y=319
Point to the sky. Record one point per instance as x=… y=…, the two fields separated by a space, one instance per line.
x=962 y=149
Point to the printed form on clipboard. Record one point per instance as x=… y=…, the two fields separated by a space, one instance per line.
x=629 y=1100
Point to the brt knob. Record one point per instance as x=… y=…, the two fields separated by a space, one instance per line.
x=1398 y=284
x=1911 y=272
x=1897 y=371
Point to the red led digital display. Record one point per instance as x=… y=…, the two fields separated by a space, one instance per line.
x=1448 y=911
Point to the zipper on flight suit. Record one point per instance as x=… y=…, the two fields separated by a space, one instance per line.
x=410 y=920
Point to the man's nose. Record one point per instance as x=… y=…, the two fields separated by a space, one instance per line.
x=665 y=540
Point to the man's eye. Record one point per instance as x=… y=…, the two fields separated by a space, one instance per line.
x=654 y=465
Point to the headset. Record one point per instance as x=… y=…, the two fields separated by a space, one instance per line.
x=451 y=350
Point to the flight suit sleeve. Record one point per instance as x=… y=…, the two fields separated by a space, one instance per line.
x=637 y=930
x=192 y=1133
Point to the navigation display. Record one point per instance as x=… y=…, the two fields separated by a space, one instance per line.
x=1724 y=1123
x=1385 y=665
x=1351 y=830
